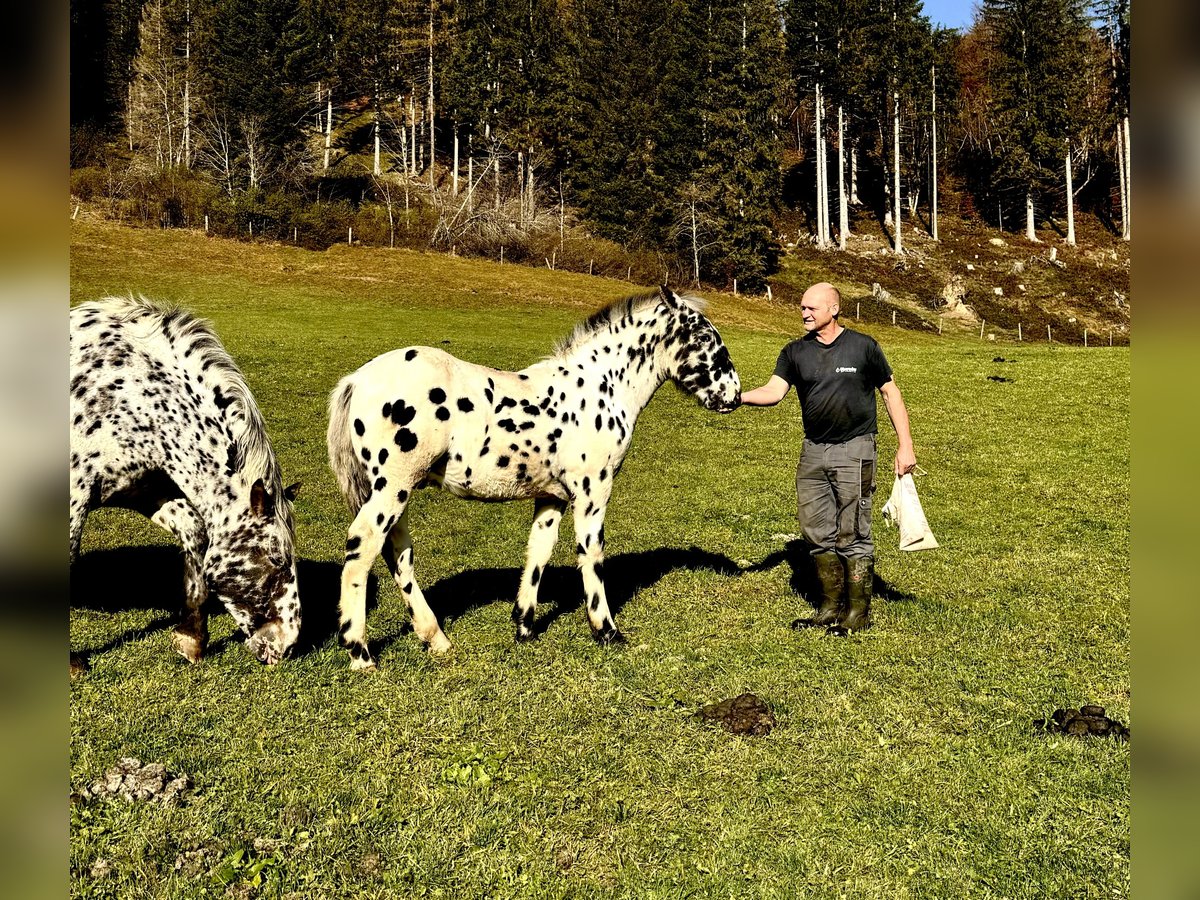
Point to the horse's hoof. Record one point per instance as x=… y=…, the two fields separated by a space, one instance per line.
x=188 y=646
x=526 y=637
x=79 y=664
x=362 y=665
x=609 y=637
x=440 y=645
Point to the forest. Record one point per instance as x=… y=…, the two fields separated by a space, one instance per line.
x=584 y=131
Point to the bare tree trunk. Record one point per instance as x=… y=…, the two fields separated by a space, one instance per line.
x=412 y=118
x=328 y=126
x=1070 y=200
x=432 y=131
x=470 y=185
x=530 y=206
x=404 y=145
x=854 y=175
x=933 y=180
x=377 y=169
x=695 y=248
x=822 y=182
x=497 y=181
x=843 y=212
x=520 y=187
x=1121 y=180
x=898 y=224
x=187 y=89
x=1030 y=230
x=1128 y=184
x=454 y=179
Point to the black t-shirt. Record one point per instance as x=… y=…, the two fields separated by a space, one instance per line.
x=836 y=383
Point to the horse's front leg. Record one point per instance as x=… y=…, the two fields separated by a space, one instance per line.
x=179 y=517
x=364 y=541
x=589 y=536
x=547 y=514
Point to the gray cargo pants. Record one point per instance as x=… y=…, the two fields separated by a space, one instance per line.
x=834 y=487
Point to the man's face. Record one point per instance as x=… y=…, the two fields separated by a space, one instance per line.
x=818 y=309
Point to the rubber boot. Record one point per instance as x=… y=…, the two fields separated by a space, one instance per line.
x=860 y=583
x=833 y=579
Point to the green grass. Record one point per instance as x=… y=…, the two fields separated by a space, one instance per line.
x=904 y=764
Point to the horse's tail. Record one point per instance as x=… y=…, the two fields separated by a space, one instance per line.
x=351 y=476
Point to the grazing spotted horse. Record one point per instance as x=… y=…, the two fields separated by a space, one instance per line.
x=162 y=422
x=555 y=433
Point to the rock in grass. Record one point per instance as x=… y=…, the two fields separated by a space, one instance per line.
x=1087 y=721
x=744 y=714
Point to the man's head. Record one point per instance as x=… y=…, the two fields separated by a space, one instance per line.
x=820 y=305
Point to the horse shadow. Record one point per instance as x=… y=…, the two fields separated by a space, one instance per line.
x=561 y=587
x=124 y=579
x=804 y=582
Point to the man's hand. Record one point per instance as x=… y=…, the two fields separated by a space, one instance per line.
x=906 y=461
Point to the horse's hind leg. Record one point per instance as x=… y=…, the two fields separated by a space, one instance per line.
x=180 y=518
x=547 y=514
x=398 y=554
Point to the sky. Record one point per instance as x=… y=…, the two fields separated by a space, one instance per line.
x=951 y=13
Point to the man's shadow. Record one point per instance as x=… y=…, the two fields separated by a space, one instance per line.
x=804 y=582
x=151 y=578
x=560 y=589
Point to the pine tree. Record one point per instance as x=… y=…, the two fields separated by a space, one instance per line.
x=632 y=130
x=738 y=158
x=1037 y=92
x=254 y=95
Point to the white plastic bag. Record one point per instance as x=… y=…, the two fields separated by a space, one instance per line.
x=903 y=509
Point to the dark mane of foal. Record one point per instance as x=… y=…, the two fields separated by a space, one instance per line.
x=196 y=344
x=614 y=313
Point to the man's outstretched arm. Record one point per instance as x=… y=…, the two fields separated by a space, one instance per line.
x=767 y=395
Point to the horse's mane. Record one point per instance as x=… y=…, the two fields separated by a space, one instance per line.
x=196 y=345
x=613 y=313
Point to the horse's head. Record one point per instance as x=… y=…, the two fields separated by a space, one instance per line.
x=251 y=566
x=698 y=360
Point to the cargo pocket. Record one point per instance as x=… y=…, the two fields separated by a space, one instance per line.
x=866 y=490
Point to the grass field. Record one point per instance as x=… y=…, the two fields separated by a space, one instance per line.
x=904 y=764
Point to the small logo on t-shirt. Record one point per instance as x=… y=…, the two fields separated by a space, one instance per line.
x=846 y=369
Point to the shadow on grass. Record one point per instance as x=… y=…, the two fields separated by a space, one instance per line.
x=625 y=574
x=151 y=578
x=798 y=555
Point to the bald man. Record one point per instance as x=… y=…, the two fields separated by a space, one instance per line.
x=836 y=372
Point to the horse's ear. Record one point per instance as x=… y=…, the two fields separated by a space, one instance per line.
x=667 y=294
x=292 y=491
x=261 y=503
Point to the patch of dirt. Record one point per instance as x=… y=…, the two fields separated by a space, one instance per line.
x=744 y=714
x=129 y=780
x=193 y=863
x=974 y=274
x=1087 y=721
